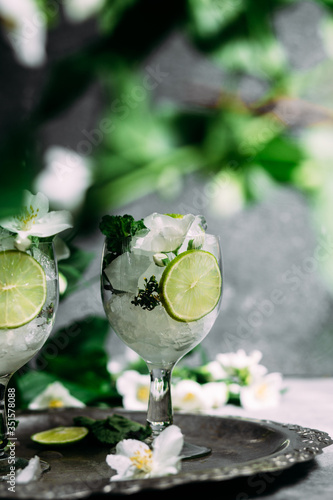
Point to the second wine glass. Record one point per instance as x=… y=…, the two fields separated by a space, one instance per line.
x=28 y=305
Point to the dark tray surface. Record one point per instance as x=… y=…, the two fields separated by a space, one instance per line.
x=240 y=447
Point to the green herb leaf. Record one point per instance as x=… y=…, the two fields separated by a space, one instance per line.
x=148 y=297
x=119 y=231
x=113 y=429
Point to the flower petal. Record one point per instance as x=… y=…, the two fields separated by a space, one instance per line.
x=166 y=233
x=128 y=447
x=216 y=393
x=168 y=445
x=78 y=11
x=188 y=395
x=25 y=30
x=134 y=387
x=120 y=464
x=37 y=202
x=263 y=393
x=52 y=223
x=31 y=472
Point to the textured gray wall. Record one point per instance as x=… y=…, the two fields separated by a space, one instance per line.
x=275 y=298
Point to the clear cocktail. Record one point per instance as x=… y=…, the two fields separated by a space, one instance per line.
x=161 y=290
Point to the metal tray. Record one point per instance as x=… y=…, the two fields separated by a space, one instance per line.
x=240 y=447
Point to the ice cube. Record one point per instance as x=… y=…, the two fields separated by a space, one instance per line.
x=198 y=226
x=124 y=271
x=6 y=240
x=47 y=264
x=153 y=270
x=152 y=334
x=211 y=245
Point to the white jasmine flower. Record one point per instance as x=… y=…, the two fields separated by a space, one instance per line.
x=55 y=396
x=216 y=393
x=118 y=364
x=215 y=370
x=135 y=460
x=36 y=220
x=80 y=10
x=31 y=472
x=166 y=233
x=189 y=395
x=25 y=28
x=264 y=392
x=239 y=359
x=65 y=178
x=135 y=388
x=239 y=364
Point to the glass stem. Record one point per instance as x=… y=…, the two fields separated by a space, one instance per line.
x=3 y=415
x=159 y=406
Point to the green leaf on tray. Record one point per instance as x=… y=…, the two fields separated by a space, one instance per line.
x=113 y=429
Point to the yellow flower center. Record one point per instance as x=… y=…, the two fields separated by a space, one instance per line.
x=28 y=217
x=261 y=391
x=143 y=460
x=56 y=403
x=142 y=393
x=189 y=396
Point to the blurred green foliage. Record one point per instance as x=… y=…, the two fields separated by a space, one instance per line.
x=141 y=145
x=141 y=141
x=81 y=366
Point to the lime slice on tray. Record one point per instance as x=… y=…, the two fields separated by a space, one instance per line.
x=22 y=288
x=190 y=286
x=60 y=435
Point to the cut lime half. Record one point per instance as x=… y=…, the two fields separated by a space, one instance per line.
x=190 y=286
x=22 y=288
x=60 y=435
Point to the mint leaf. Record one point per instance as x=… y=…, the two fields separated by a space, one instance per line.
x=113 y=429
x=119 y=231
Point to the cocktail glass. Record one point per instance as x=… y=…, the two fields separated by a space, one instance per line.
x=158 y=338
x=19 y=344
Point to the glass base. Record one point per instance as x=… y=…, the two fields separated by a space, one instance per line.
x=6 y=467
x=190 y=450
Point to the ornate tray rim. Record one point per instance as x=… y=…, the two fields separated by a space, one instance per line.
x=304 y=444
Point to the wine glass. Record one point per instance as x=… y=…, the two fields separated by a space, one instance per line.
x=159 y=339
x=29 y=291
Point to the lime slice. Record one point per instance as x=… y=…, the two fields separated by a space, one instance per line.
x=190 y=286
x=60 y=435
x=22 y=288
